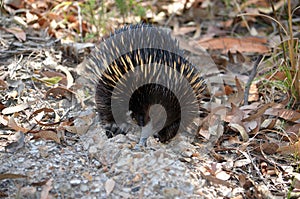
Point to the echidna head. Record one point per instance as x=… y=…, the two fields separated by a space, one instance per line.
x=156 y=119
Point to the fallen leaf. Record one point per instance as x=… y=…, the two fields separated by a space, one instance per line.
x=13 y=125
x=290 y=150
x=46 y=189
x=59 y=92
x=253 y=93
x=15 y=109
x=17 y=32
x=3 y=85
x=241 y=130
x=294 y=129
x=246 y=44
x=258 y=112
x=109 y=186
x=242 y=162
x=11 y=176
x=222 y=175
x=3 y=120
x=18 y=142
x=269 y=148
x=289 y=115
x=215 y=180
x=68 y=74
x=40 y=113
x=48 y=135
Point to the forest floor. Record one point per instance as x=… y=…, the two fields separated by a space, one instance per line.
x=246 y=146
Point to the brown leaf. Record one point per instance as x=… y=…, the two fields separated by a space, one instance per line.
x=40 y=183
x=3 y=85
x=59 y=92
x=11 y=176
x=46 y=110
x=46 y=189
x=294 y=129
x=48 y=135
x=258 y=112
x=269 y=148
x=290 y=150
x=244 y=182
x=239 y=96
x=13 y=125
x=278 y=75
x=40 y=113
x=215 y=180
x=247 y=44
x=18 y=32
x=234 y=117
x=289 y=115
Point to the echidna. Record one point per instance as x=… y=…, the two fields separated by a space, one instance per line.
x=142 y=76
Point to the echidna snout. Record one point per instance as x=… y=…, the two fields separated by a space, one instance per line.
x=157 y=119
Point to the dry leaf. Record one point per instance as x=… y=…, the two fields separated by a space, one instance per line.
x=290 y=150
x=46 y=189
x=11 y=176
x=48 y=135
x=241 y=130
x=15 y=109
x=13 y=125
x=247 y=44
x=286 y=114
x=40 y=113
x=3 y=85
x=18 y=142
x=68 y=74
x=109 y=186
x=242 y=162
x=59 y=92
x=239 y=96
x=222 y=175
x=17 y=32
x=269 y=148
x=253 y=93
x=258 y=112
x=215 y=180
x=3 y=120
x=294 y=129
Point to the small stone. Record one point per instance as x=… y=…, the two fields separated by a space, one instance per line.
x=75 y=181
x=84 y=187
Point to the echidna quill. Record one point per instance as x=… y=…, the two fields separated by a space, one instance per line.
x=143 y=78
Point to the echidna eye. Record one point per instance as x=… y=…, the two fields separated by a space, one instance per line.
x=134 y=120
x=141 y=120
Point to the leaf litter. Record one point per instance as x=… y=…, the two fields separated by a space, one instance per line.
x=50 y=137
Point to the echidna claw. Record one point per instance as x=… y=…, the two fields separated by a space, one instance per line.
x=142 y=143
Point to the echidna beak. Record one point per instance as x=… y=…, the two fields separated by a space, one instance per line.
x=158 y=117
x=147 y=131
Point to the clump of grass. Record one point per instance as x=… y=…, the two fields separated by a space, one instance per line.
x=95 y=12
x=98 y=13
x=287 y=55
x=132 y=7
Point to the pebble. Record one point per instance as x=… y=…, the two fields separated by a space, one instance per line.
x=75 y=182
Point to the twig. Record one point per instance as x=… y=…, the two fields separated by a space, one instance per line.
x=251 y=77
